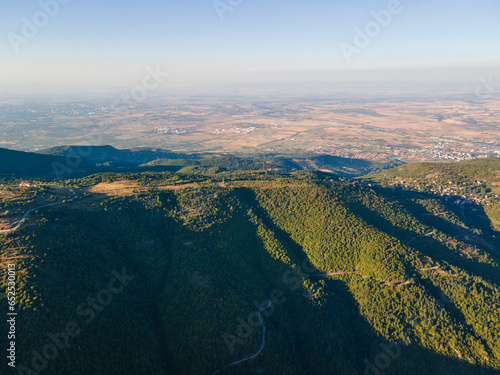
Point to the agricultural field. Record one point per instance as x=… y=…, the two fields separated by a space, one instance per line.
x=423 y=127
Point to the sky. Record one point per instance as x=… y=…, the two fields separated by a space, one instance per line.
x=99 y=42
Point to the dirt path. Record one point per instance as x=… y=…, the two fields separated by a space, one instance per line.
x=18 y=225
x=261 y=346
x=436 y=214
x=421 y=235
x=396 y=283
x=338 y=273
x=440 y=271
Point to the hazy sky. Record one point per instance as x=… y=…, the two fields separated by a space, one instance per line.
x=112 y=42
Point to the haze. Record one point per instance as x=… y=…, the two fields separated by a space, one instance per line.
x=106 y=44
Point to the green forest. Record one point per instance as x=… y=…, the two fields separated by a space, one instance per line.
x=302 y=272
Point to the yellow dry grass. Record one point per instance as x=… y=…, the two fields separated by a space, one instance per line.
x=122 y=188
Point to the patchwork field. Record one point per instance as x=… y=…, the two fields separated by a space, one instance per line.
x=412 y=128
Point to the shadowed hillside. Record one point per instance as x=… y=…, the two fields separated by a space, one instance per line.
x=299 y=272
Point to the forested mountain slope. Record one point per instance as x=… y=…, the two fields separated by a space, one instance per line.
x=64 y=162
x=168 y=273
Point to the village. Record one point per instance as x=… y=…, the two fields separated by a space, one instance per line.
x=461 y=192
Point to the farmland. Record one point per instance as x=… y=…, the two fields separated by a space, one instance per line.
x=416 y=127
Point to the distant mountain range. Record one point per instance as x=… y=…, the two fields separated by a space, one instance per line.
x=72 y=161
x=27 y=164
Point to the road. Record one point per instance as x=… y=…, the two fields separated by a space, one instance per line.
x=16 y=227
x=421 y=235
x=261 y=346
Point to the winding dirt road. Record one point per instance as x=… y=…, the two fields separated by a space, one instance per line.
x=261 y=347
x=16 y=227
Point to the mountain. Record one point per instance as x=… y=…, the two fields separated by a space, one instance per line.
x=475 y=182
x=30 y=165
x=77 y=161
x=110 y=156
x=472 y=170
x=250 y=272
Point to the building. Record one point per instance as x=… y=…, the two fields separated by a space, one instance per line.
x=26 y=184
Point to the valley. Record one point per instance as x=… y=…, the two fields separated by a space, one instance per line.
x=411 y=126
